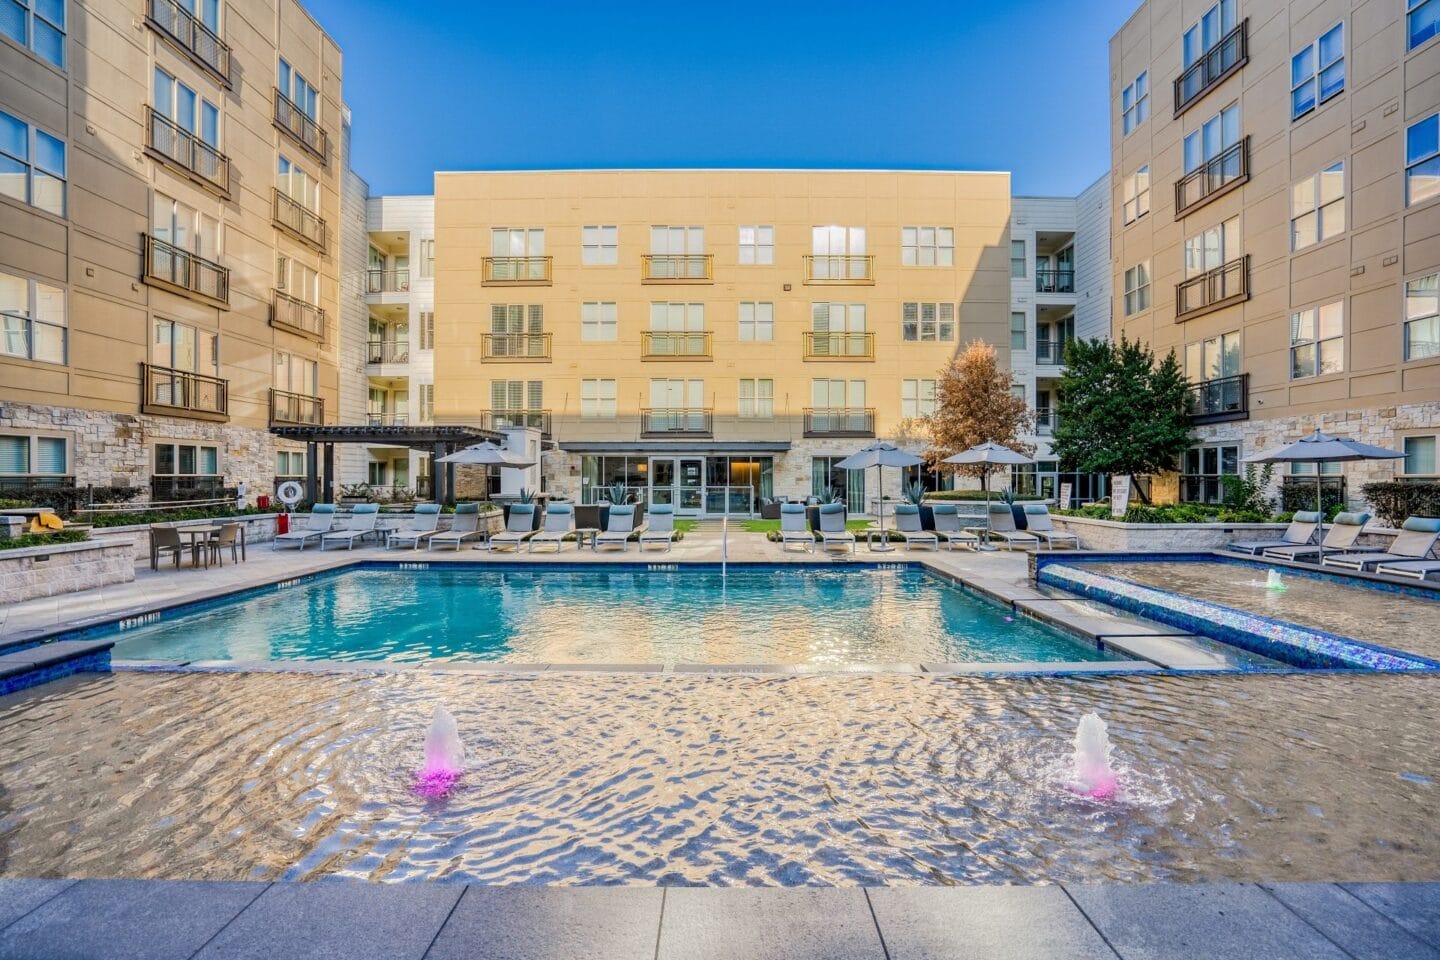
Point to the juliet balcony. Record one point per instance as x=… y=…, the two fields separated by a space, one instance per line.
x=839 y=421
x=515 y=272
x=677 y=421
x=180 y=271
x=677 y=268
x=181 y=150
x=515 y=346
x=297 y=316
x=502 y=418
x=295 y=409
x=1227 y=56
x=666 y=345
x=303 y=224
x=301 y=127
x=179 y=27
x=841 y=268
x=1215 y=178
x=1213 y=290
x=183 y=393
x=839 y=345
x=1219 y=400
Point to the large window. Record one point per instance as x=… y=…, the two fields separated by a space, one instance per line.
x=29 y=457
x=517 y=242
x=1212 y=248
x=1422 y=317
x=1422 y=160
x=298 y=90
x=33 y=317
x=289 y=464
x=677 y=241
x=677 y=394
x=186 y=460
x=927 y=321
x=1018 y=263
x=182 y=106
x=1201 y=481
x=927 y=246
x=511 y=318
x=427 y=259
x=1317 y=207
x=1317 y=341
x=677 y=317
x=599 y=245
x=1137 y=195
x=838 y=394
x=296 y=374
x=1208 y=31
x=38 y=25
x=1215 y=136
x=180 y=346
x=297 y=279
x=185 y=228
x=756 y=399
x=1137 y=288
x=837 y=317
x=757 y=245
x=32 y=165
x=1317 y=72
x=598 y=321
x=1423 y=19
x=597 y=398
x=917 y=398
x=1135 y=103
x=1213 y=358
x=1019 y=329
x=757 y=321
x=517 y=394
x=1420 y=459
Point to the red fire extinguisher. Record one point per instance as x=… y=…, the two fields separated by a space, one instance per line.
x=282 y=523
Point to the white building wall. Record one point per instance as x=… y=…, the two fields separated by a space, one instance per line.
x=353 y=321
x=1093 y=296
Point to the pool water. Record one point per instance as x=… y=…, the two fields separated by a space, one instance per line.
x=784 y=615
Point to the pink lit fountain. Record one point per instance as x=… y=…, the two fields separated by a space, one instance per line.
x=1093 y=775
x=444 y=757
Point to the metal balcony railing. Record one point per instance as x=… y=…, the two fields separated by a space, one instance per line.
x=839 y=345
x=839 y=421
x=183 y=150
x=675 y=345
x=677 y=268
x=1214 y=178
x=515 y=346
x=672 y=421
x=501 y=418
x=1054 y=279
x=1226 y=284
x=839 y=268
x=296 y=315
x=304 y=225
x=387 y=419
x=1218 y=400
x=1221 y=60
x=387 y=281
x=387 y=351
x=1050 y=352
x=1046 y=420
x=515 y=271
x=171 y=392
x=301 y=127
x=296 y=409
x=166 y=265
x=193 y=38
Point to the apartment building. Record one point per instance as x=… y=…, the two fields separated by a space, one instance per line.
x=1276 y=222
x=168 y=277
x=708 y=337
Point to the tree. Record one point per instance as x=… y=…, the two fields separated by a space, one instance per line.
x=974 y=404
x=1119 y=412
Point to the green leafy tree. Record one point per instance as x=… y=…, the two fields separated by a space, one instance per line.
x=1119 y=411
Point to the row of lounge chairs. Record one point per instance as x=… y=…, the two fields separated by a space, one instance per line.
x=320 y=527
x=949 y=529
x=1408 y=554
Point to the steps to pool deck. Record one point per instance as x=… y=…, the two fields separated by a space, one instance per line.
x=28 y=665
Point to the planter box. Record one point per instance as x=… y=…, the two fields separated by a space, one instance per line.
x=1113 y=536
x=64 y=568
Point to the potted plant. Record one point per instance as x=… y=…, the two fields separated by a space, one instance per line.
x=915 y=494
x=1016 y=510
x=812 y=512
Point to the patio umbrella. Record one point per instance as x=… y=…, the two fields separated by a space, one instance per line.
x=989 y=454
x=880 y=456
x=487 y=454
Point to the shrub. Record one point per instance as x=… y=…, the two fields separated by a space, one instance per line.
x=1248 y=492
x=1396 y=500
x=1300 y=495
x=1173 y=513
x=43 y=539
x=66 y=500
x=971 y=495
x=170 y=516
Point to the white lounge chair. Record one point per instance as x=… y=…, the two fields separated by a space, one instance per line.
x=1002 y=525
x=795 y=528
x=362 y=521
x=949 y=530
x=1338 y=539
x=659 y=528
x=1414 y=543
x=907 y=521
x=421 y=527
x=618 y=527
x=519 y=527
x=559 y=524
x=832 y=528
x=322 y=518
x=1300 y=532
x=1038 y=522
x=465 y=526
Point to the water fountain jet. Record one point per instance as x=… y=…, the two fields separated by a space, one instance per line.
x=1094 y=777
x=444 y=756
x=1273 y=581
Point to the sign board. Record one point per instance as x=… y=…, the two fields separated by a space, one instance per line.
x=1065 y=495
x=1119 y=495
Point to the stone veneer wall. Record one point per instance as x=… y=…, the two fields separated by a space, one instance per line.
x=64 y=568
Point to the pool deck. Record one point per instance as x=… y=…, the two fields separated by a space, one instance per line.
x=176 y=920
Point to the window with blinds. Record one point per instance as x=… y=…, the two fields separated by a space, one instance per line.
x=756 y=398
x=517 y=318
x=427 y=330
x=517 y=394
x=927 y=321
x=427 y=402
x=597 y=398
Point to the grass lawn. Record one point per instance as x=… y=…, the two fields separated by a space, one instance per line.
x=684 y=525
x=770 y=526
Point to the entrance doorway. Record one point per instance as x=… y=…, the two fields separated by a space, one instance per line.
x=678 y=481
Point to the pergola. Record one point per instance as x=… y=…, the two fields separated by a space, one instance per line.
x=435 y=439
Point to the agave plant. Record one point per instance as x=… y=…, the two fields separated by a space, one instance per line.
x=1008 y=495
x=618 y=493
x=914 y=492
x=527 y=495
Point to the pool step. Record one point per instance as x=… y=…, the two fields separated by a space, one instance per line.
x=31 y=666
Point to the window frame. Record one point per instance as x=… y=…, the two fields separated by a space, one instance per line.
x=1315 y=77
x=596 y=319
x=1140 y=291
x=756 y=323
x=1413 y=7
x=1225 y=7
x=1316 y=341
x=598 y=253
x=1219 y=447
x=1135 y=102
x=32 y=455
x=175 y=447
x=1019 y=324
x=528 y=237
x=1317 y=209
x=31 y=168
x=760 y=252
x=760 y=404
x=30 y=14
x=29 y=320
x=1429 y=157
x=913 y=246
x=197 y=125
x=1404 y=471
x=1132 y=194
x=299 y=91
x=1023 y=259
x=426 y=247
x=912 y=407
x=597 y=404
x=915 y=330
x=1431 y=318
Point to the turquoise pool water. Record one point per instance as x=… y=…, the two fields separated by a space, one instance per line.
x=790 y=615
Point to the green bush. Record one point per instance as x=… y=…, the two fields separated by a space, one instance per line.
x=1300 y=495
x=1395 y=501
x=170 y=516
x=971 y=495
x=43 y=539
x=66 y=500
x=1172 y=513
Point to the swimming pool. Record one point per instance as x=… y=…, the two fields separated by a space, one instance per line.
x=754 y=614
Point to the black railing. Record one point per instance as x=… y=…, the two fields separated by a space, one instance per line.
x=168 y=391
x=1051 y=352
x=181 y=148
x=1217 y=63
x=1202 y=488
x=672 y=421
x=305 y=225
x=1054 y=279
x=839 y=421
x=295 y=409
x=301 y=127
x=169 y=266
x=501 y=418
x=387 y=281
x=1218 y=400
x=297 y=315
x=194 y=39
x=387 y=351
x=1046 y=420
x=23 y=483
x=1226 y=284
x=1216 y=177
x=168 y=488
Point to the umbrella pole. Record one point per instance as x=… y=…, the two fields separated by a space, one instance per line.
x=1320 y=508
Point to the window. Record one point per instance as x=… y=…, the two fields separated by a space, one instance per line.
x=1424 y=20
x=599 y=246
x=38 y=25
x=757 y=321
x=427 y=329
x=1019 y=330
x=180 y=346
x=298 y=90
x=838 y=394
x=517 y=394
x=1422 y=160
x=1137 y=194
x=927 y=321
x=189 y=111
x=297 y=279
x=757 y=245
x=677 y=317
x=289 y=463
x=756 y=399
x=927 y=246
x=186 y=460
x=1208 y=31
x=517 y=318
x=32 y=165
x=517 y=242
x=598 y=321
x=1317 y=73
x=1317 y=207
x=1215 y=136
x=1419 y=457
x=296 y=184
x=296 y=375
x=838 y=253
x=1135 y=104
x=837 y=317
x=677 y=241
x=184 y=227
x=597 y=398
x=1017 y=258
x=33 y=456
x=677 y=395
x=1137 y=288
x=1200 y=481
x=1208 y=250
x=917 y=398
x=33 y=317
x=1422 y=318
x=427 y=259
x=427 y=402
x=1317 y=341
x=1214 y=358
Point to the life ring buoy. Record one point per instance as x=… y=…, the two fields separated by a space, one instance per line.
x=289 y=493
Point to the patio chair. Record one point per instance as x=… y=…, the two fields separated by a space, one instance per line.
x=465 y=525
x=229 y=536
x=165 y=539
x=1414 y=543
x=422 y=526
x=660 y=528
x=362 y=522
x=519 y=527
x=1002 y=525
x=949 y=530
x=559 y=524
x=832 y=528
x=1300 y=532
x=619 y=527
x=1038 y=522
x=907 y=521
x=795 y=528
x=322 y=518
x=1338 y=538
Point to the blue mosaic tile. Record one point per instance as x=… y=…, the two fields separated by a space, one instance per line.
x=98 y=662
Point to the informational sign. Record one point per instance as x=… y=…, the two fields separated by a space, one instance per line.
x=1119 y=495
x=1065 y=495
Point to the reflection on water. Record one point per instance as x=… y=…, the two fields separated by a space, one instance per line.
x=721 y=780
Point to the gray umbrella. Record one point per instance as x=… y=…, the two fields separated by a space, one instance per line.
x=989 y=454
x=880 y=455
x=487 y=454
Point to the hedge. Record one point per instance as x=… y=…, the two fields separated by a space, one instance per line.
x=128 y=518
x=43 y=539
x=1171 y=513
x=971 y=495
x=66 y=500
x=1395 y=501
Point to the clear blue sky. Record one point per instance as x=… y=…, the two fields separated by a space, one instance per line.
x=1014 y=85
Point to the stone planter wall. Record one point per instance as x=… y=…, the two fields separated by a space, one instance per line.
x=63 y=568
x=1112 y=536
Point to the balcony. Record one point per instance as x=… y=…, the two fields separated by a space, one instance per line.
x=1210 y=291
x=822 y=268
x=1051 y=352
x=500 y=419
x=1055 y=280
x=297 y=316
x=677 y=268
x=1219 y=400
x=1046 y=420
x=181 y=150
x=1215 y=178
x=387 y=351
x=387 y=281
x=515 y=272
x=295 y=409
x=181 y=393
x=301 y=127
x=191 y=37
x=839 y=421
x=515 y=346
x=377 y=419
x=304 y=225
x=839 y=345
x=1221 y=60
x=677 y=422
x=180 y=271
x=666 y=345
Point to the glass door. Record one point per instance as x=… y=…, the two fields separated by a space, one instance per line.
x=662 y=481
x=690 y=494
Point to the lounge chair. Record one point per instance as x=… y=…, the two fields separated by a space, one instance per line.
x=660 y=528
x=421 y=527
x=559 y=524
x=907 y=521
x=1002 y=525
x=519 y=527
x=1038 y=522
x=322 y=518
x=832 y=528
x=165 y=539
x=949 y=530
x=1415 y=569
x=619 y=526
x=1339 y=538
x=1414 y=542
x=1300 y=532
x=465 y=525
x=362 y=522
x=795 y=528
